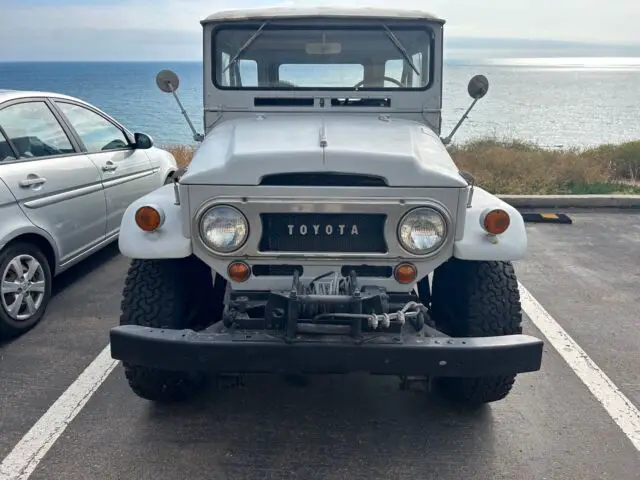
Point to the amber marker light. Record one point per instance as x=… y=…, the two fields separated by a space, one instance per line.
x=405 y=273
x=496 y=221
x=149 y=218
x=239 y=271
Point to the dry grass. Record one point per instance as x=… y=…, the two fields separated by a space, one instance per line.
x=514 y=167
x=182 y=153
x=623 y=159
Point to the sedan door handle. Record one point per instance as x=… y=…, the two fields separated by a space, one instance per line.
x=109 y=167
x=32 y=181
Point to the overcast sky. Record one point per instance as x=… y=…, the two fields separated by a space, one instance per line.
x=170 y=29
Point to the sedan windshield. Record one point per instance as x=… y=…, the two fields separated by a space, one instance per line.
x=355 y=58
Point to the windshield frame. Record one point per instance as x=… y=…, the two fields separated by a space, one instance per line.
x=376 y=25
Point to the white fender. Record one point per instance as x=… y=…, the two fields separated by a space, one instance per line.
x=477 y=245
x=167 y=241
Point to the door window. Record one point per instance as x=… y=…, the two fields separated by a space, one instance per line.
x=6 y=152
x=34 y=130
x=97 y=133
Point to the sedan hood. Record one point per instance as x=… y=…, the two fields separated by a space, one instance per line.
x=402 y=152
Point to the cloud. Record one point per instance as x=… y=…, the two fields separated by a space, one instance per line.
x=170 y=29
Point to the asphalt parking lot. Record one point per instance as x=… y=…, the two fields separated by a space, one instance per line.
x=564 y=422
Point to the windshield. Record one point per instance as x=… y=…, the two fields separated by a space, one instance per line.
x=311 y=57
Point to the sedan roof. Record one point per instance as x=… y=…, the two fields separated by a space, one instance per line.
x=6 y=95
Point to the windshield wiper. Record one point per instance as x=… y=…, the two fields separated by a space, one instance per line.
x=246 y=45
x=401 y=48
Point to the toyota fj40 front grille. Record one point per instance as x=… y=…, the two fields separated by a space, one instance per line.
x=323 y=232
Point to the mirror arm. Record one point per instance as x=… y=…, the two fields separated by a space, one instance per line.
x=196 y=136
x=447 y=140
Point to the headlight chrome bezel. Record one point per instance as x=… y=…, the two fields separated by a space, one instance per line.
x=203 y=238
x=438 y=246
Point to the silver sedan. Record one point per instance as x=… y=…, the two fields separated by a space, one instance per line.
x=68 y=171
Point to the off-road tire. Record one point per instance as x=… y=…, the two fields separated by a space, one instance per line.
x=171 y=294
x=476 y=299
x=9 y=327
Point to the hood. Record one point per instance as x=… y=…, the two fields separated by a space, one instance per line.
x=242 y=151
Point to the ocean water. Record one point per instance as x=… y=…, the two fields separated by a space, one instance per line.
x=557 y=102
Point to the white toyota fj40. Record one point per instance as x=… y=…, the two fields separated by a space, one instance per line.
x=322 y=226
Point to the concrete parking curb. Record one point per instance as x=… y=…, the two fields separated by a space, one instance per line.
x=531 y=217
x=572 y=201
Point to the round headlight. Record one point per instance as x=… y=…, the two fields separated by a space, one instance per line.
x=422 y=231
x=224 y=228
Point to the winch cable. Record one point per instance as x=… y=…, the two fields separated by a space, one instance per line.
x=338 y=285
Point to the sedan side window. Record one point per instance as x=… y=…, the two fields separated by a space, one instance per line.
x=6 y=152
x=34 y=130
x=97 y=133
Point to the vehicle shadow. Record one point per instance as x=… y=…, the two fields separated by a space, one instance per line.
x=356 y=427
x=79 y=271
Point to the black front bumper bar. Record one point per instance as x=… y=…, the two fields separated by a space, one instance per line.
x=387 y=354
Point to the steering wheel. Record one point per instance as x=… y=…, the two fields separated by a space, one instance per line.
x=392 y=80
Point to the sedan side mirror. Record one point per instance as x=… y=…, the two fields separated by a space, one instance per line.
x=143 y=141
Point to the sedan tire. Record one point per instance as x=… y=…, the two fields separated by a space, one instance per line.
x=25 y=288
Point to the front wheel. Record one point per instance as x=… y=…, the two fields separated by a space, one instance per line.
x=25 y=288
x=476 y=299
x=171 y=294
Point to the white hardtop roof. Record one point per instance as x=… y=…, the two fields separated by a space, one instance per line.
x=300 y=12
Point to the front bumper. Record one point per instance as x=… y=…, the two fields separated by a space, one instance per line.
x=387 y=354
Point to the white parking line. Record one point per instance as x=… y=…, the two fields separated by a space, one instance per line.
x=617 y=405
x=27 y=454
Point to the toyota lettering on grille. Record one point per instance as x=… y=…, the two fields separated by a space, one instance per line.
x=323 y=229
x=323 y=232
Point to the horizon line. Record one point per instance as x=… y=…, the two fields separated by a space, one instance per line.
x=445 y=60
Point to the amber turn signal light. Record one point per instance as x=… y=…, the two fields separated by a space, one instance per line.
x=238 y=271
x=149 y=218
x=405 y=273
x=496 y=221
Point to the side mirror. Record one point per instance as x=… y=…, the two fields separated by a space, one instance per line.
x=478 y=87
x=168 y=82
x=143 y=141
